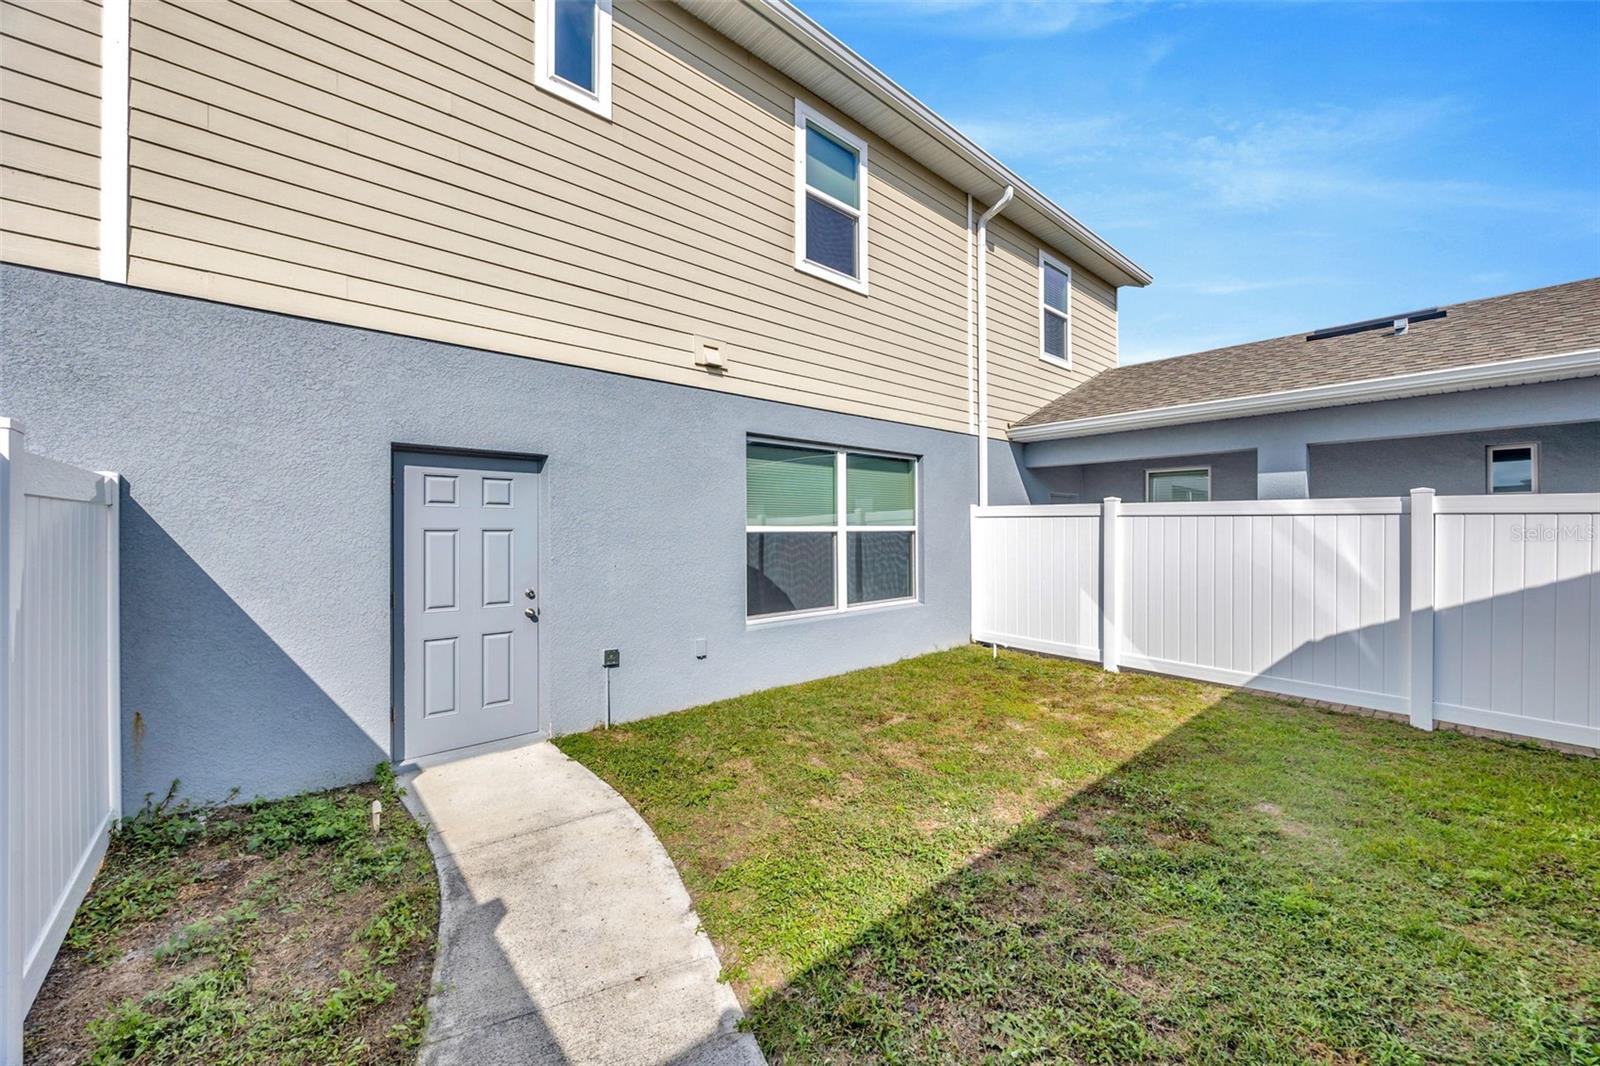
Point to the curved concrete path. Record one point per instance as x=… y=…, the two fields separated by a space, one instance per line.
x=565 y=934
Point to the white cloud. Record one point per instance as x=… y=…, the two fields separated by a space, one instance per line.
x=989 y=19
x=1227 y=286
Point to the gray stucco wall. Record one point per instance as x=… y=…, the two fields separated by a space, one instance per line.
x=1455 y=463
x=1233 y=477
x=256 y=524
x=1353 y=443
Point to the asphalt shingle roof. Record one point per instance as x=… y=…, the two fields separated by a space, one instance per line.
x=1550 y=321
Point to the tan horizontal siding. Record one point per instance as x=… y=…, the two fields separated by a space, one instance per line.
x=50 y=134
x=392 y=165
x=1020 y=381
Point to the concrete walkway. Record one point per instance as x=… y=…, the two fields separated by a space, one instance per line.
x=565 y=934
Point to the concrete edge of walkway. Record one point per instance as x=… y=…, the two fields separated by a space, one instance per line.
x=566 y=934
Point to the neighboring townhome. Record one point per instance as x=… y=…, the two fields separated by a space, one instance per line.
x=1496 y=395
x=486 y=370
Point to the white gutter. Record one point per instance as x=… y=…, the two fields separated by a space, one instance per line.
x=1450 y=379
x=983 y=343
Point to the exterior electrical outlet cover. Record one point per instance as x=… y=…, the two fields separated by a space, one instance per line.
x=699 y=647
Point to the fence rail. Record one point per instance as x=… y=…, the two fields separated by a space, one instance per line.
x=1477 y=610
x=60 y=740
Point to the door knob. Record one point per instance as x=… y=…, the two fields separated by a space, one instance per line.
x=532 y=613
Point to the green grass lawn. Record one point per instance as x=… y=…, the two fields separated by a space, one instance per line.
x=954 y=859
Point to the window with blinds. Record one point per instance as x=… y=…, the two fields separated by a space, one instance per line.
x=827 y=529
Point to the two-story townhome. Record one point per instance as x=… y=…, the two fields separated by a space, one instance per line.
x=487 y=369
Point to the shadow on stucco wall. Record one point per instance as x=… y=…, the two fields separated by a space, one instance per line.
x=208 y=697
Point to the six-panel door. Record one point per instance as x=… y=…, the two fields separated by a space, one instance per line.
x=470 y=581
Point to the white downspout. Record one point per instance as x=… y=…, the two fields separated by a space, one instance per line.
x=983 y=343
x=972 y=368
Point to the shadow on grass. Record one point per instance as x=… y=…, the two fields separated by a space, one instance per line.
x=1264 y=883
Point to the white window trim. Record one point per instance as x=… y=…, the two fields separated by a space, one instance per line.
x=1488 y=467
x=1206 y=470
x=805 y=115
x=1046 y=309
x=544 y=59
x=841 y=529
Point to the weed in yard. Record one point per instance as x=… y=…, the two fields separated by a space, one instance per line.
x=281 y=931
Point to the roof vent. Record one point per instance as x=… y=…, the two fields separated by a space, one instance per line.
x=1399 y=323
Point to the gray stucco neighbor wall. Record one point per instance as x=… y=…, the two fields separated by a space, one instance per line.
x=1455 y=463
x=256 y=524
x=1233 y=477
x=1433 y=433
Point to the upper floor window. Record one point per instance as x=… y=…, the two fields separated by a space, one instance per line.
x=1514 y=468
x=572 y=53
x=830 y=200
x=1055 y=310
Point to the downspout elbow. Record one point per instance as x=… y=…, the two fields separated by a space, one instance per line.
x=999 y=205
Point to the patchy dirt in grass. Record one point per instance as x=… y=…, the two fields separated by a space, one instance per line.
x=283 y=931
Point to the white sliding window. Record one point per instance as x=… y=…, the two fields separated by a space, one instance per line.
x=830 y=200
x=827 y=530
x=1055 y=311
x=572 y=51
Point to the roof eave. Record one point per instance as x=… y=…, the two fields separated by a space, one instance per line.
x=984 y=175
x=1524 y=371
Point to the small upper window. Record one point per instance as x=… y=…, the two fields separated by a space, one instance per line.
x=1055 y=310
x=830 y=200
x=1178 y=486
x=572 y=54
x=1514 y=468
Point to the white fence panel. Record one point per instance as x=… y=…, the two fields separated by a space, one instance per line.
x=1300 y=597
x=1496 y=626
x=1517 y=615
x=60 y=742
x=1036 y=578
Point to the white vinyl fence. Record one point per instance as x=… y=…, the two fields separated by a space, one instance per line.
x=59 y=708
x=1477 y=610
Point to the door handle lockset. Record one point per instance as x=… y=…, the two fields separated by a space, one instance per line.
x=532 y=613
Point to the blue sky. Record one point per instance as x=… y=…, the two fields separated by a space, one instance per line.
x=1277 y=167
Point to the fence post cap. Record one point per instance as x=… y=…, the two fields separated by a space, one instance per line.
x=13 y=424
x=1420 y=492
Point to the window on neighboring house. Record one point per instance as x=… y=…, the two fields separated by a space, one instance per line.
x=1177 y=486
x=1055 y=310
x=830 y=200
x=572 y=57
x=1514 y=468
x=827 y=529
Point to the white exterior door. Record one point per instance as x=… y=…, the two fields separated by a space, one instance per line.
x=470 y=609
